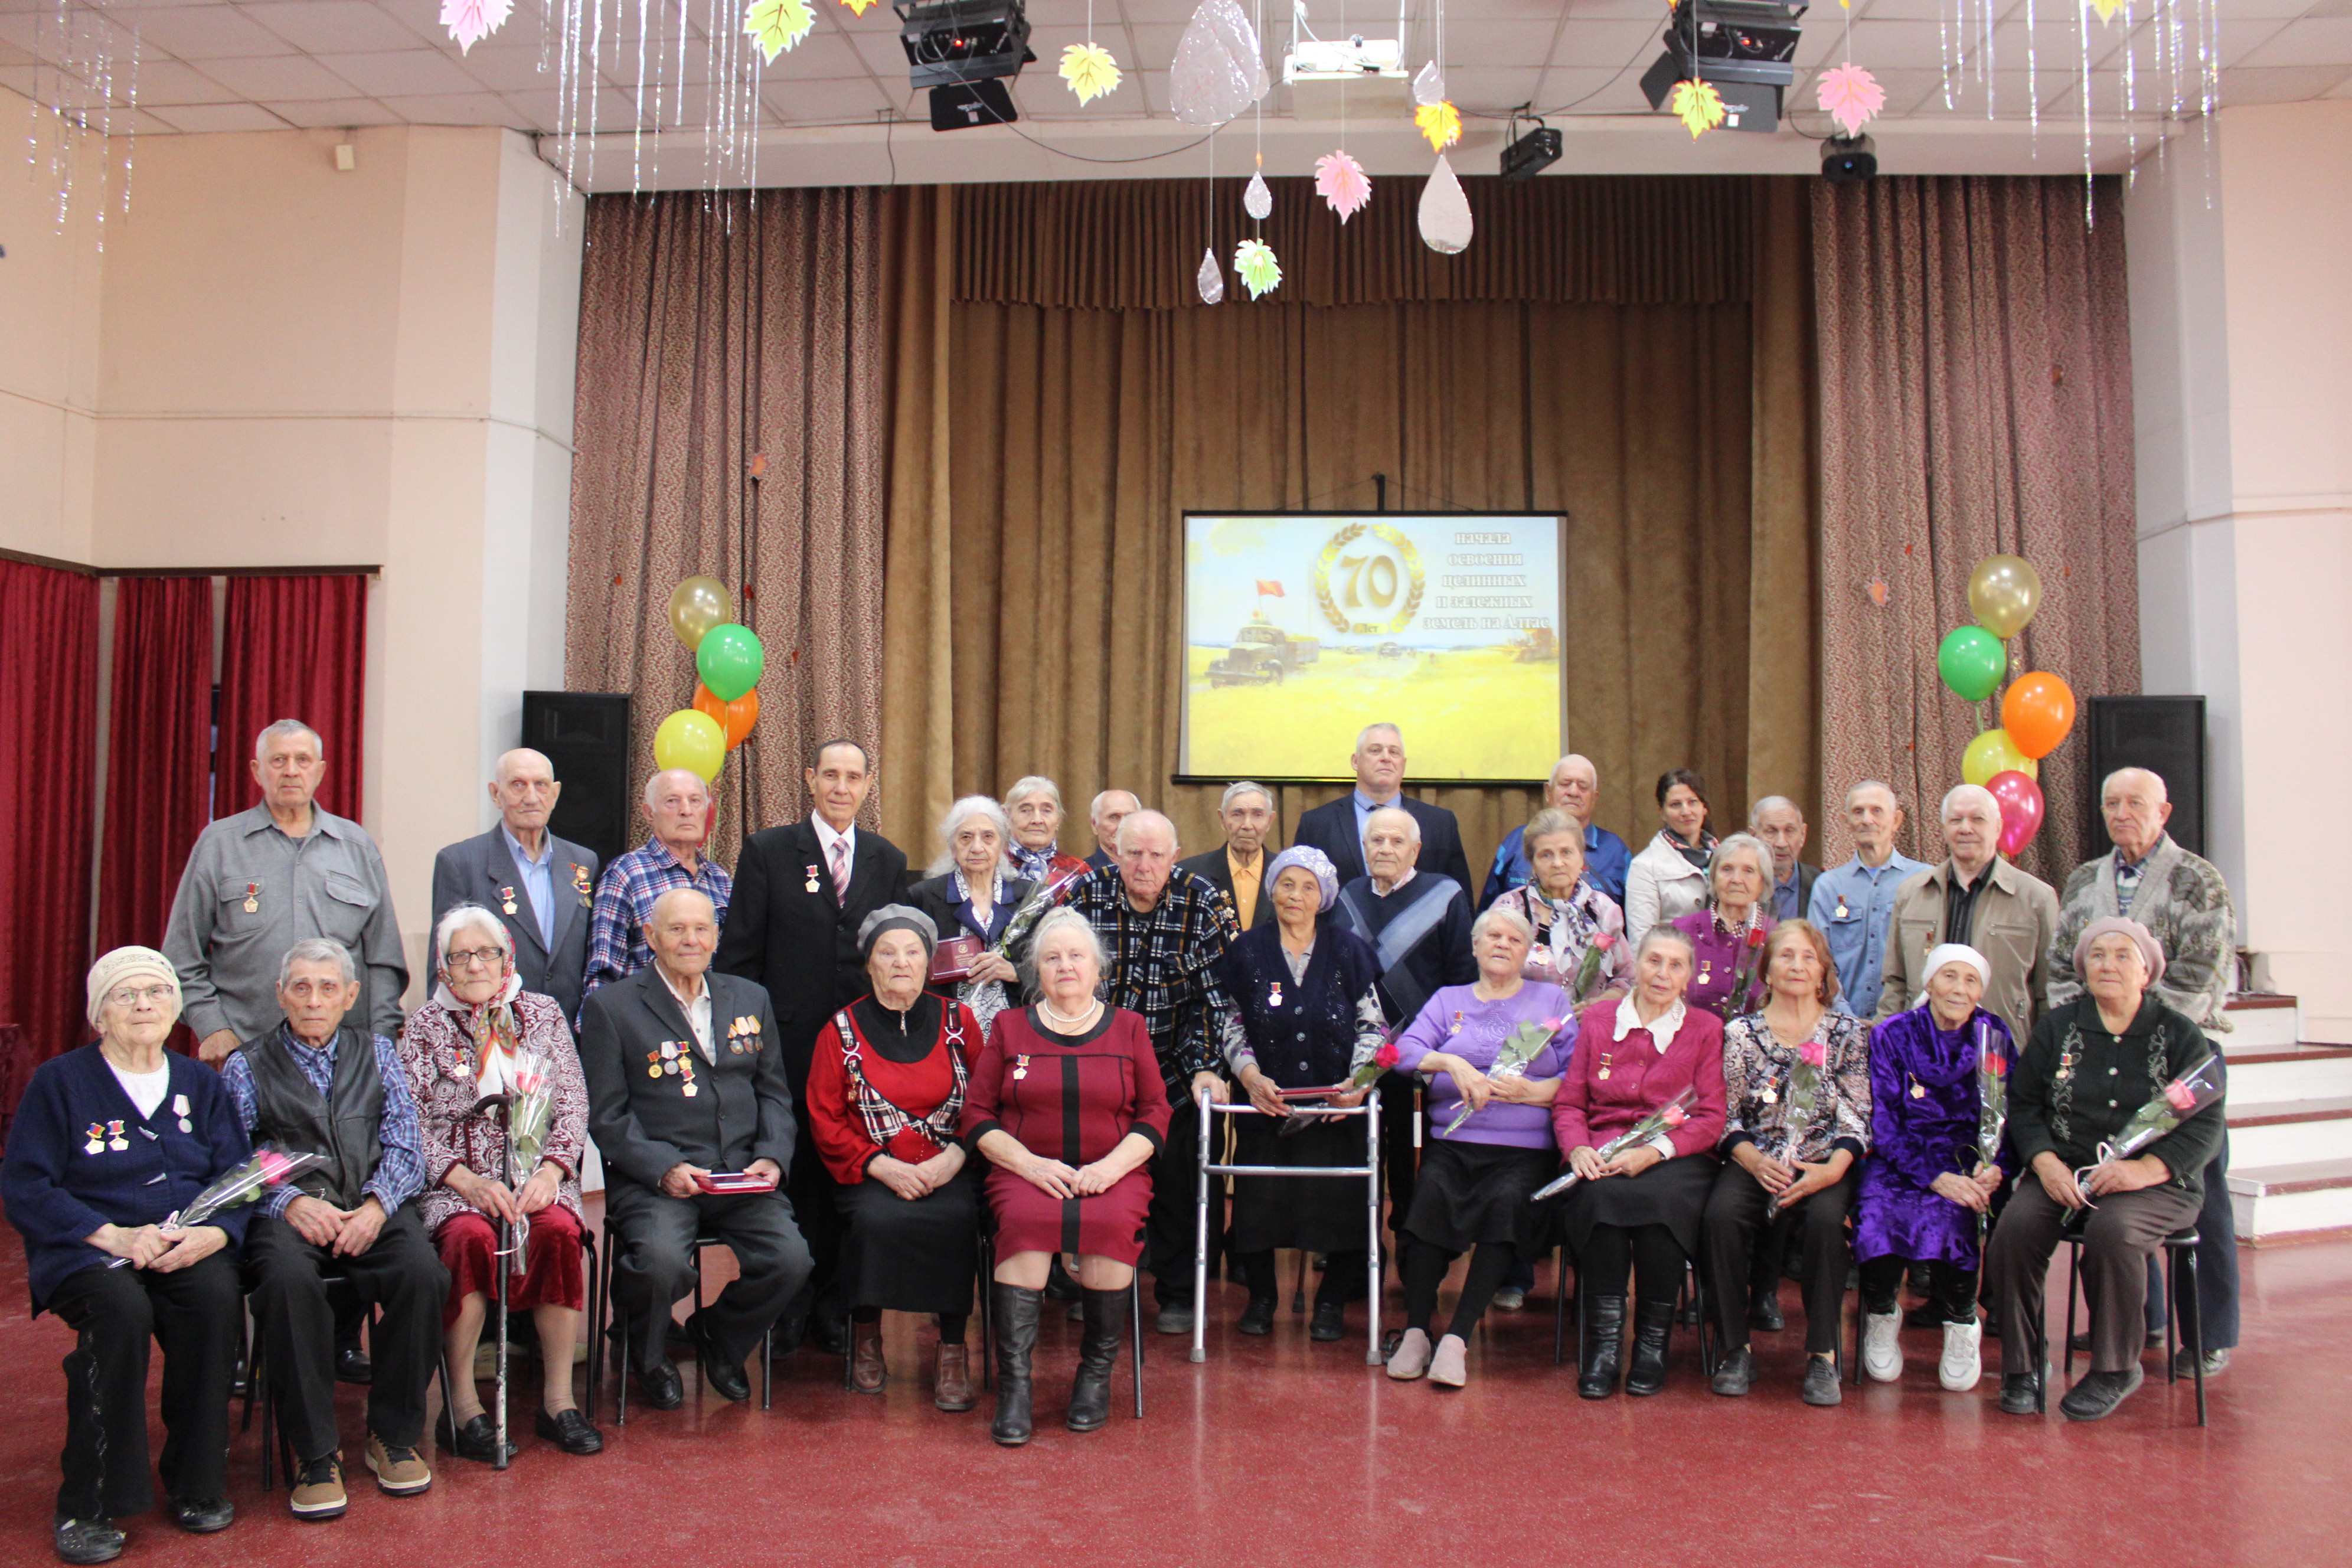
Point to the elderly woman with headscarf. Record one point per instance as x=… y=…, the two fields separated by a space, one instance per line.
x=886 y=1091
x=111 y=1144
x=1034 y=805
x=1306 y=1016
x=480 y=1031
x=1929 y=1183
x=973 y=893
x=1572 y=918
x=2090 y=1067
x=1727 y=932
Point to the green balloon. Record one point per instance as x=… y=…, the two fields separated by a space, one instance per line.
x=1971 y=661
x=731 y=660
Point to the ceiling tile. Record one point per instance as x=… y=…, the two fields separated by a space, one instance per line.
x=2318 y=41
x=328 y=112
x=820 y=56
x=2280 y=84
x=404 y=71
x=1487 y=86
x=453 y=108
x=11 y=54
x=882 y=53
x=609 y=111
x=1589 y=90
x=200 y=32
x=1607 y=45
x=1503 y=43
x=848 y=97
x=221 y=117
x=321 y=26
x=279 y=76
x=164 y=81
x=1878 y=45
x=511 y=67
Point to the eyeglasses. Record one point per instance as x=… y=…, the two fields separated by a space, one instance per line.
x=468 y=958
x=131 y=996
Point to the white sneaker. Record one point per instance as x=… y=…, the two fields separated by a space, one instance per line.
x=1882 y=1345
x=1963 y=1355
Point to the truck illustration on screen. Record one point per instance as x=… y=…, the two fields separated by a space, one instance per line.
x=1262 y=654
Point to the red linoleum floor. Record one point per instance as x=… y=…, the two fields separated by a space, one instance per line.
x=1278 y=1451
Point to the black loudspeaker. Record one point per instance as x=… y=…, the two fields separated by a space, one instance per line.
x=2165 y=735
x=585 y=734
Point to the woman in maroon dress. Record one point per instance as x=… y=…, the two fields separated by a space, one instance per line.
x=1067 y=1104
x=886 y=1089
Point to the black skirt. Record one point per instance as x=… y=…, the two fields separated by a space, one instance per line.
x=918 y=1255
x=1470 y=1193
x=1671 y=1194
x=1321 y=1214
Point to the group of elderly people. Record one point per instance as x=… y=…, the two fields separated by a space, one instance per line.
x=1010 y=1061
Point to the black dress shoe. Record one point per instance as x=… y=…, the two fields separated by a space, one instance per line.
x=660 y=1386
x=351 y=1365
x=570 y=1431
x=830 y=1335
x=1765 y=1312
x=2096 y=1398
x=1257 y=1318
x=1821 y=1381
x=475 y=1439
x=2019 y=1393
x=722 y=1376
x=88 y=1540
x=2184 y=1361
x=202 y=1515
x=1735 y=1373
x=1329 y=1323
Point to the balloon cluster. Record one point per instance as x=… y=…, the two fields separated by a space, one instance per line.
x=2036 y=711
x=728 y=659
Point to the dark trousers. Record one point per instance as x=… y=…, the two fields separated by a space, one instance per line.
x=401 y=1273
x=197 y=1314
x=1175 y=1199
x=2217 y=1266
x=1647 y=1254
x=1742 y=1223
x=1951 y=1290
x=1342 y=1275
x=2119 y=1234
x=1401 y=1119
x=1423 y=1267
x=656 y=1264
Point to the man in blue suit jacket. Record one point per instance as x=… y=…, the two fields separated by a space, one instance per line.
x=543 y=886
x=1337 y=828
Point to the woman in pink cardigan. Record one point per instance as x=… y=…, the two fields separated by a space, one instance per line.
x=1637 y=1212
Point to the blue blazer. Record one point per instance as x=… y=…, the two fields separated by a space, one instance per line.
x=1331 y=828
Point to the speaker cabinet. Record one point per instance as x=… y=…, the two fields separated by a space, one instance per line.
x=2165 y=735
x=585 y=735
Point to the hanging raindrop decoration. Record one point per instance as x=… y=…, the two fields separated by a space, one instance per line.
x=86 y=87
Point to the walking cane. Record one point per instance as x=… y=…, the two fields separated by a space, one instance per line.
x=506 y=1269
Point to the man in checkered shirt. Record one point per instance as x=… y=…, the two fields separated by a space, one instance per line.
x=677 y=806
x=1166 y=929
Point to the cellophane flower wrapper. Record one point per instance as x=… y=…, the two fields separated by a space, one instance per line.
x=1804 y=1090
x=1526 y=1043
x=267 y=1169
x=2181 y=1099
x=1042 y=898
x=1665 y=1118
x=1992 y=1099
x=1587 y=973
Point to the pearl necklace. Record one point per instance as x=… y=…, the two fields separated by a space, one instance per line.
x=1073 y=1023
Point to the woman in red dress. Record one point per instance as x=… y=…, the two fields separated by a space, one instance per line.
x=1067 y=1104
x=886 y=1089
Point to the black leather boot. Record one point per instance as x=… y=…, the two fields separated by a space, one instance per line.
x=1653 y=1324
x=1014 y=1311
x=1600 y=1346
x=1105 y=1319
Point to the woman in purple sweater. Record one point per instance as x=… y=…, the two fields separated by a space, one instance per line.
x=1475 y=1179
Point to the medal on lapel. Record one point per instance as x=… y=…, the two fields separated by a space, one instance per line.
x=1606 y=1057
x=812 y=879
x=686 y=1086
x=253 y=898
x=580 y=885
x=669 y=1054
x=505 y=900
x=1842 y=912
x=97 y=1134
x=1020 y=1067
x=180 y=1109
x=1919 y=1090
x=115 y=1140
x=1273 y=996
x=1457 y=1028
x=1771 y=1096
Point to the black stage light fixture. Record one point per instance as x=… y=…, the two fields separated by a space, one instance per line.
x=1849 y=160
x=1745 y=48
x=1525 y=157
x=971 y=103
x=950 y=43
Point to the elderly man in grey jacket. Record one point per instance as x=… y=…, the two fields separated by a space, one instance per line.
x=1977 y=897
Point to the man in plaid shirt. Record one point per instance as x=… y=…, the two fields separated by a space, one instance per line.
x=677 y=805
x=1166 y=929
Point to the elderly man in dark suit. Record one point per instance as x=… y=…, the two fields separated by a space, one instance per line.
x=800 y=892
x=684 y=1082
x=1238 y=869
x=1337 y=828
x=543 y=885
x=1780 y=822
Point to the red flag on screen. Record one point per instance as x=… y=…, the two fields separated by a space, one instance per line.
x=1266 y=588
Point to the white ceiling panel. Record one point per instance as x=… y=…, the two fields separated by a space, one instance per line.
x=273 y=77
x=452 y=108
x=205 y=116
x=200 y=32
x=847 y=98
x=415 y=72
x=321 y=26
x=329 y=113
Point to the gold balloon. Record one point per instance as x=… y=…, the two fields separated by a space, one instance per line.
x=697 y=605
x=2003 y=593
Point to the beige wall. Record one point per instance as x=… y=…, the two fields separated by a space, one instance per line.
x=49 y=348
x=2241 y=337
x=274 y=363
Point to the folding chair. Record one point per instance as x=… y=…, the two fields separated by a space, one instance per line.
x=621 y=1332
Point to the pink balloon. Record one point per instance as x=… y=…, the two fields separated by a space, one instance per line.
x=2021 y=809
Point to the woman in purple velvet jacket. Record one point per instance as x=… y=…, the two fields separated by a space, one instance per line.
x=1926 y=1184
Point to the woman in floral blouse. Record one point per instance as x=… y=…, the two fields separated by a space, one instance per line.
x=1573 y=921
x=1797 y=1085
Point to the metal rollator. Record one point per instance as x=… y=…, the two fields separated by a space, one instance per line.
x=1369 y=1172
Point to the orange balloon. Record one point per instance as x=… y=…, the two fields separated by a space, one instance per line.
x=2037 y=711
x=735 y=718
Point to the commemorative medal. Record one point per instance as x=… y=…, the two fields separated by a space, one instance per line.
x=115 y=1140
x=1020 y=1068
x=180 y=1109
x=97 y=1134
x=1273 y=996
x=505 y=900
x=1605 y=1058
x=812 y=879
x=580 y=885
x=253 y=898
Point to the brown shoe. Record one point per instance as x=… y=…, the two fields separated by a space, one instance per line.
x=399 y=1472
x=867 y=1373
x=951 y=1384
x=318 y=1492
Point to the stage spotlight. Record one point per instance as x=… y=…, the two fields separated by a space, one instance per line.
x=1525 y=157
x=1847 y=160
x=949 y=42
x=969 y=104
x=1746 y=48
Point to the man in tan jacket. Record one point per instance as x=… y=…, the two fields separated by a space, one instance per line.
x=1977 y=897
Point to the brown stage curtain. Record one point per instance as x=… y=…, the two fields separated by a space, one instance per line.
x=1975 y=398
x=715 y=329
x=1075 y=436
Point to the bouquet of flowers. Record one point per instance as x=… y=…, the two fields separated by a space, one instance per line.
x=1588 y=974
x=1382 y=1060
x=2184 y=1095
x=1667 y=1118
x=1525 y=1044
x=1041 y=899
x=1363 y=1077
x=267 y=1169
x=1992 y=1098
x=1804 y=1088
x=1747 y=980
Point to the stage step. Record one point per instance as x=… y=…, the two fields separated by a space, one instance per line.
x=2260 y=1020
x=2276 y=1203
x=2289 y=1131
x=2277 y=1073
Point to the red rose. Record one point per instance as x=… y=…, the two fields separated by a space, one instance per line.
x=1812 y=1053
x=1994 y=1064
x=1673 y=1116
x=1386 y=1056
x=1604 y=941
x=1756 y=936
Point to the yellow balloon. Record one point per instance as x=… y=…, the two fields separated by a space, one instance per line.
x=2004 y=592
x=693 y=741
x=697 y=605
x=1994 y=752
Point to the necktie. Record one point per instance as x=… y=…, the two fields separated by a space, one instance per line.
x=840 y=871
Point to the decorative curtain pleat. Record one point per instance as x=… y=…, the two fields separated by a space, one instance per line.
x=1975 y=399
x=159 y=753
x=293 y=646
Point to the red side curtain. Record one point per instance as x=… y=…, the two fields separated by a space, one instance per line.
x=48 y=735
x=159 y=753
x=295 y=647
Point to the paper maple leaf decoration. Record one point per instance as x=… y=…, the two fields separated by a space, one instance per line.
x=2106 y=8
x=860 y=7
x=1851 y=95
x=1439 y=121
x=1341 y=180
x=1089 y=70
x=1260 y=272
x=471 y=21
x=1697 y=105
x=776 y=26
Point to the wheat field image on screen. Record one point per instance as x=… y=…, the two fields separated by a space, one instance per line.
x=1476 y=713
